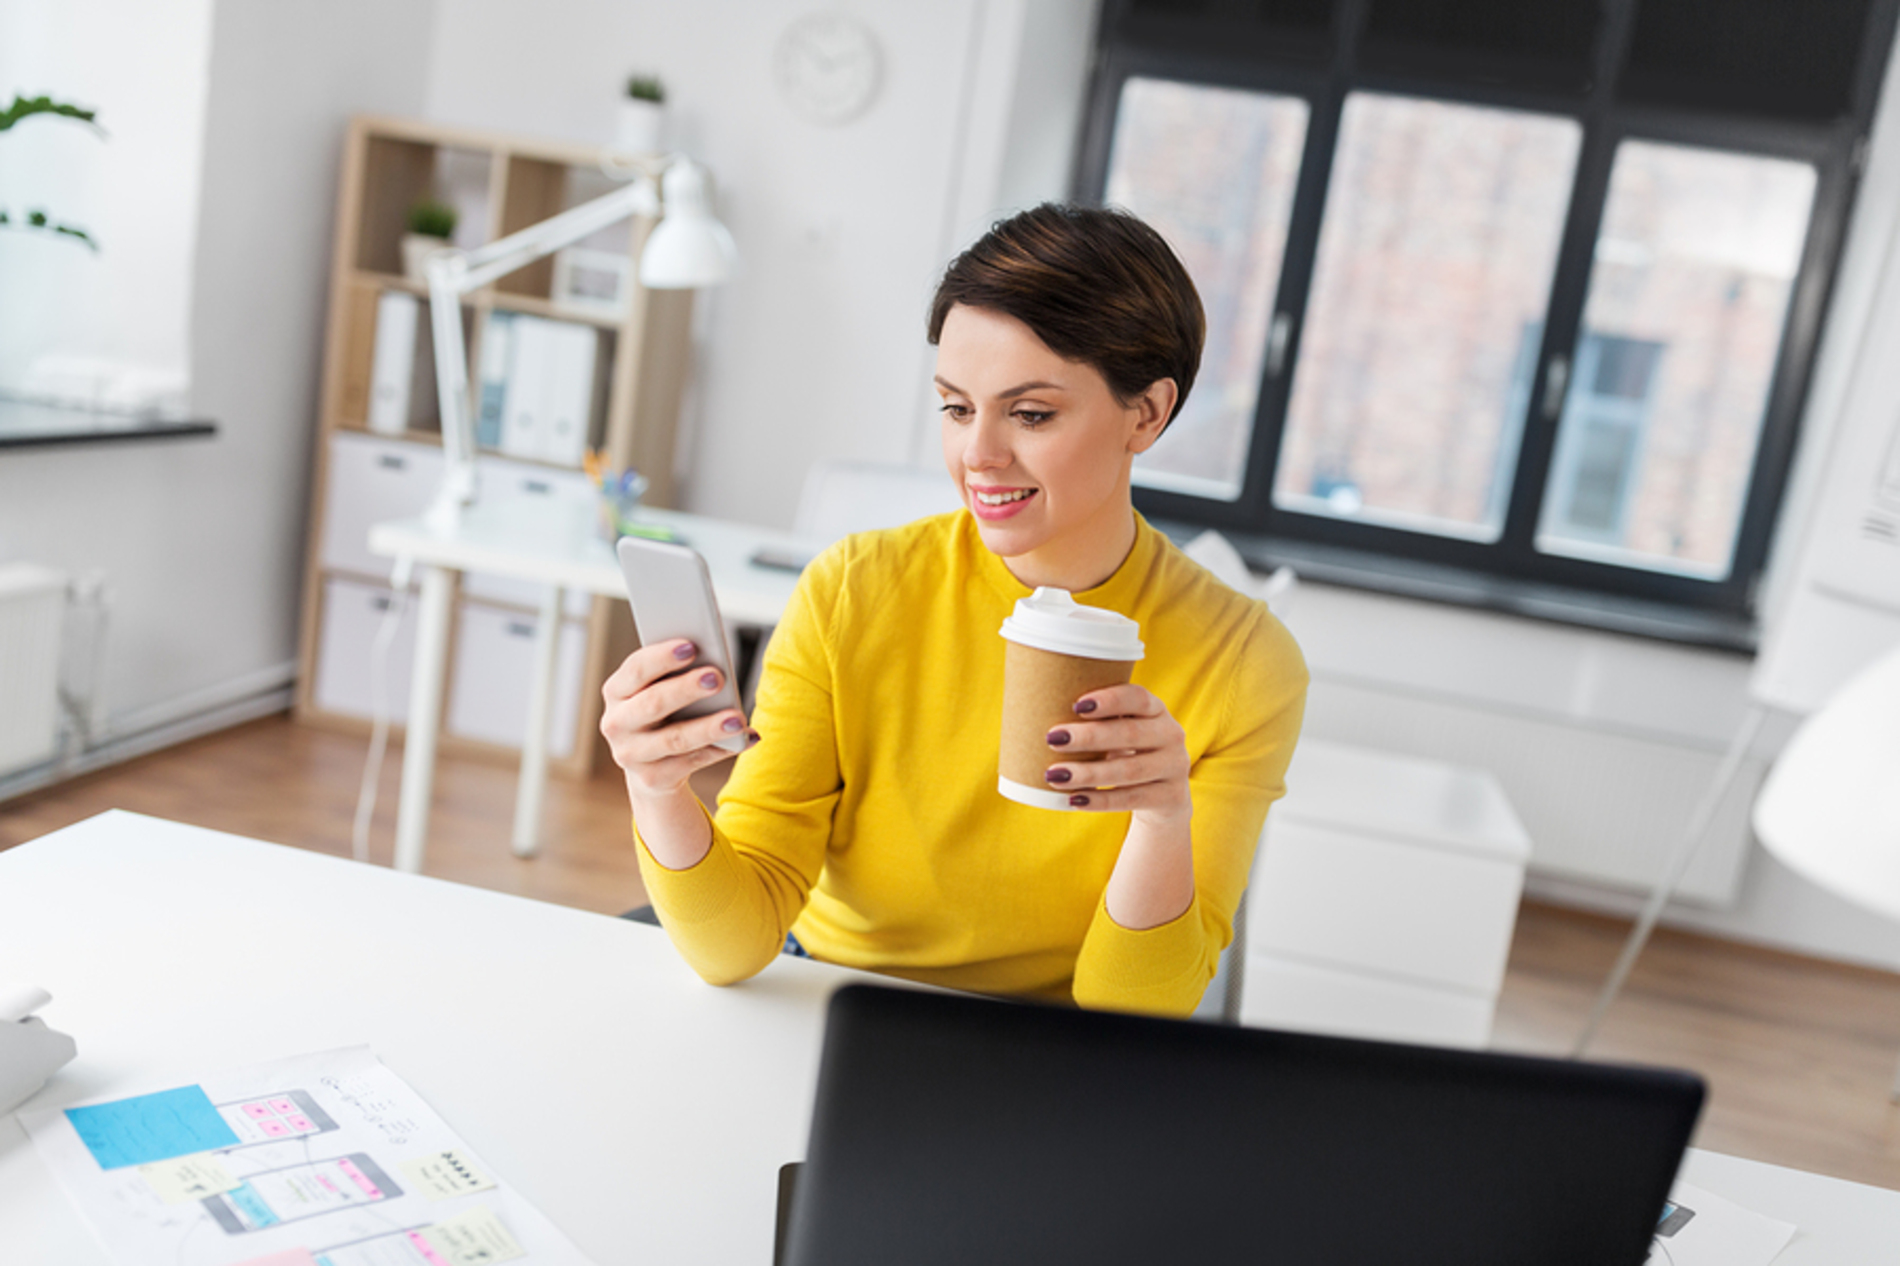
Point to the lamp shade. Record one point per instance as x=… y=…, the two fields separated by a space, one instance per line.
x=1830 y=808
x=688 y=247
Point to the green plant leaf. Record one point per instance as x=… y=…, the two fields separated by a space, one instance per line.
x=432 y=218
x=27 y=107
x=39 y=221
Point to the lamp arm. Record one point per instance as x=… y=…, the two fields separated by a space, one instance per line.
x=499 y=258
x=453 y=274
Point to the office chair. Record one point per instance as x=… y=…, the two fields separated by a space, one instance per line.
x=1216 y=553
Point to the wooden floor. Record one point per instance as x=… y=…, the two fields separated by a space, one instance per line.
x=1799 y=1054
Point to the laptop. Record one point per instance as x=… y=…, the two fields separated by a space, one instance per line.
x=956 y=1129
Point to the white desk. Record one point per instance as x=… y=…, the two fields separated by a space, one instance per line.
x=644 y=1112
x=554 y=544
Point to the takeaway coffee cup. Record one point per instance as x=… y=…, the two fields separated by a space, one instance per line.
x=1056 y=651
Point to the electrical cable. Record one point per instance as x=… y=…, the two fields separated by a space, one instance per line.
x=379 y=707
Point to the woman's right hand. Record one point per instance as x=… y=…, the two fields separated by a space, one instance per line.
x=658 y=755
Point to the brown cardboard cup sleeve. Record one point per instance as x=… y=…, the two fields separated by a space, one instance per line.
x=1057 y=651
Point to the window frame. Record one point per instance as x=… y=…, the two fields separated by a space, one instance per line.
x=1131 y=45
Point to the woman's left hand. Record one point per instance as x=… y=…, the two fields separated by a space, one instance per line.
x=1146 y=768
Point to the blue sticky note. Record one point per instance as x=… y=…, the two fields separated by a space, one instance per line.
x=151 y=1127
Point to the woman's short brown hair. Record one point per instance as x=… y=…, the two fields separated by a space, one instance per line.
x=1098 y=286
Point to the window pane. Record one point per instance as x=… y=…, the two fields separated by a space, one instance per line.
x=1688 y=297
x=1213 y=170
x=1435 y=259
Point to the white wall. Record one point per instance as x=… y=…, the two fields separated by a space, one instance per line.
x=134 y=187
x=201 y=540
x=817 y=347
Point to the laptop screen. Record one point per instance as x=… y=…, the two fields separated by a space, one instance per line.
x=955 y=1129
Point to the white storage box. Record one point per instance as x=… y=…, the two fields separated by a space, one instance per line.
x=1383 y=900
x=370 y=480
x=493 y=677
x=352 y=614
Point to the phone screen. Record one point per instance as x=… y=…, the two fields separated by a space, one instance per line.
x=273 y=1118
x=301 y=1191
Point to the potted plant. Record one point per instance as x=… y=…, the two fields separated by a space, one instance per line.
x=642 y=110
x=431 y=225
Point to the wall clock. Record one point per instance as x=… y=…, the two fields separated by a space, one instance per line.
x=828 y=67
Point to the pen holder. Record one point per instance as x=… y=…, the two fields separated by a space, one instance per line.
x=619 y=498
x=29 y=1054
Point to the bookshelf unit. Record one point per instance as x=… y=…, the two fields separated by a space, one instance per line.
x=498 y=185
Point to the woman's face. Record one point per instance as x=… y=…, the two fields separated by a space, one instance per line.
x=1040 y=448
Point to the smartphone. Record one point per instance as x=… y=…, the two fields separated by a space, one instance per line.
x=672 y=596
x=301 y=1191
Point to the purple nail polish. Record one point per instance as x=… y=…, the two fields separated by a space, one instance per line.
x=732 y=725
x=1058 y=738
x=1078 y=802
x=752 y=736
x=1058 y=775
x=1085 y=706
x=708 y=680
x=685 y=650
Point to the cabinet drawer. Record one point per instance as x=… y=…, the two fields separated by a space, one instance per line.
x=352 y=615
x=494 y=663
x=1278 y=994
x=1398 y=909
x=504 y=479
x=371 y=480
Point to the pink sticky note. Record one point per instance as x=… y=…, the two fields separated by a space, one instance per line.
x=302 y=1124
x=276 y=1129
x=256 y=1111
x=283 y=1107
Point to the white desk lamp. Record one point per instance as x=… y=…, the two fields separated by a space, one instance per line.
x=687 y=249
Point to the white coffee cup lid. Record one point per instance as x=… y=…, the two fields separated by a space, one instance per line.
x=1052 y=620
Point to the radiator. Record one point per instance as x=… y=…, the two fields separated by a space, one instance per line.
x=32 y=618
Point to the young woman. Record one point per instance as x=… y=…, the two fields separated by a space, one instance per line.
x=864 y=820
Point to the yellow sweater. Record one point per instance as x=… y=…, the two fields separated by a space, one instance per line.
x=867 y=819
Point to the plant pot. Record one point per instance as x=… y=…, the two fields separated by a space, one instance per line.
x=637 y=126
x=416 y=250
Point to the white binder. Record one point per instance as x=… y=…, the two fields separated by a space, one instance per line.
x=522 y=411
x=568 y=394
x=393 y=363
x=492 y=387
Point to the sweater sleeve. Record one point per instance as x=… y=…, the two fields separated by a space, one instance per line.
x=1166 y=969
x=729 y=913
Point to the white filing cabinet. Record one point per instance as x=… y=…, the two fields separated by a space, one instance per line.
x=372 y=478
x=1383 y=899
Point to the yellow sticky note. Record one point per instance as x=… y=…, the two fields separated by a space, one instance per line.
x=186 y=1178
x=474 y=1237
x=445 y=1174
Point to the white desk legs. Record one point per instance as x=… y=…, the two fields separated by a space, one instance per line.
x=425 y=717
x=534 y=744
